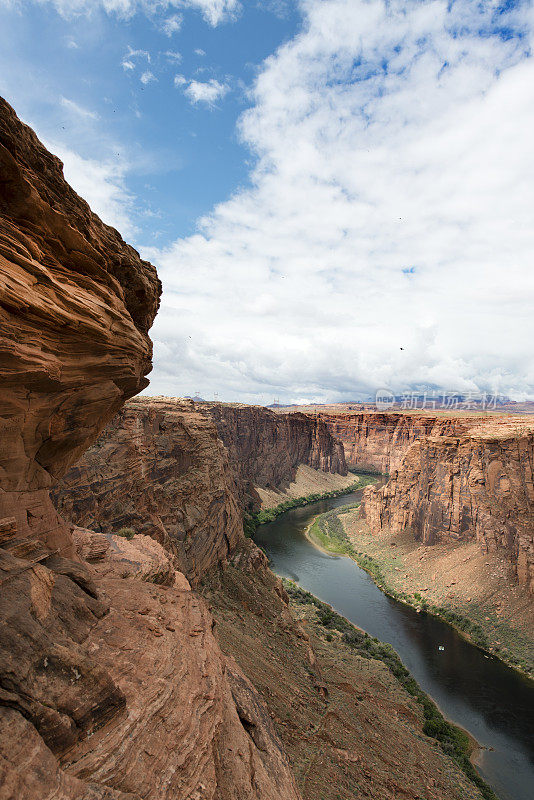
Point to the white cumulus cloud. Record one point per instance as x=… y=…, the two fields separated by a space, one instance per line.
x=208 y=92
x=391 y=206
x=101 y=183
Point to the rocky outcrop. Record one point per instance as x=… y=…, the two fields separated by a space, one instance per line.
x=75 y=310
x=138 y=556
x=377 y=441
x=181 y=720
x=478 y=485
x=112 y=686
x=160 y=469
x=266 y=449
x=182 y=472
x=76 y=305
x=195 y=726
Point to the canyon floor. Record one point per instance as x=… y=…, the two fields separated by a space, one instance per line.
x=307 y=481
x=347 y=725
x=458 y=577
x=116 y=516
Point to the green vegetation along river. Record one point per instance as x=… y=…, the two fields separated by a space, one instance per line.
x=476 y=691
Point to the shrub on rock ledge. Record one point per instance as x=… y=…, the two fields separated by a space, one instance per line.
x=128 y=533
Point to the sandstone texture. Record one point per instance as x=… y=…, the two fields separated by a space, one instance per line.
x=143 y=558
x=266 y=449
x=142 y=704
x=453 y=477
x=112 y=686
x=377 y=441
x=182 y=472
x=195 y=726
x=76 y=305
x=473 y=485
x=160 y=469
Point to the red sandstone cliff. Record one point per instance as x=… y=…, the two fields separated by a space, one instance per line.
x=183 y=472
x=159 y=468
x=77 y=303
x=112 y=685
x=378 y=441
x=476 y=484
x=265 y=448
x=460 y=477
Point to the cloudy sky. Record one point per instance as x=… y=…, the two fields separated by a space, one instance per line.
x=319 y=182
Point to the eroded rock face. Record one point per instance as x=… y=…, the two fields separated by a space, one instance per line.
x=159 y=468
x=265 y=448
x=48 y=605
x=195 y=726
x=479 y=485
x=182 y=720
x=76 y=305
x=75 y=309
x=112 y=686
x=183 y=472
x=378 y=441
x=456 y=476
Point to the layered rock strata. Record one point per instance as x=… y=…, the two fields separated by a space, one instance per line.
x=478 y=485
x=265 y=449
x=175 y=718
x=76 y=305
x=378 y=441
x=112 y=686
x=183 y=472
x=160 y=469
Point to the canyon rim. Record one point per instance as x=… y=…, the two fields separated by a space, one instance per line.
x=115 y=681
x=232 y=566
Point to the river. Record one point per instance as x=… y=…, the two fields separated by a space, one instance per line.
x=491 y=701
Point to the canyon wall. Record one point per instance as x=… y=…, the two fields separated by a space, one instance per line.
x=77 y=303
x=183 y=472
x=112 y=685
x=265 y=448
x=476 y=485
x=377 y=441
x=451 y=476
x=160 y=469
